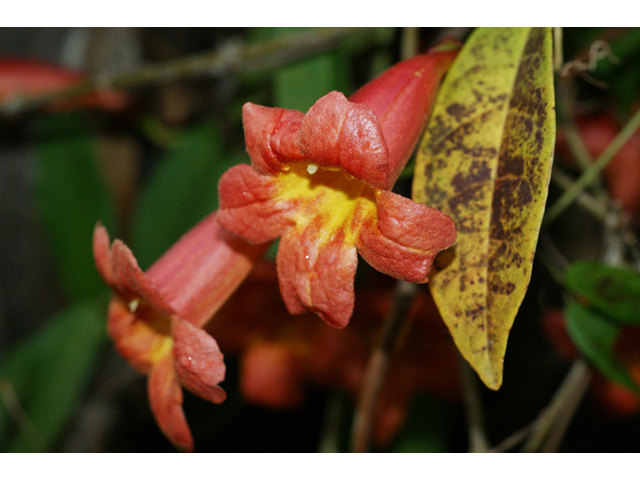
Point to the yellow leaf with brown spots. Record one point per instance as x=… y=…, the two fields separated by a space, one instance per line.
x=485 y=160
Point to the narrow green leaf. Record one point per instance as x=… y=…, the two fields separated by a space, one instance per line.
x=614 y=291
x=49 y=374
x=72 y=199
x=485 y=160
x=182 y=190
x=594 y=334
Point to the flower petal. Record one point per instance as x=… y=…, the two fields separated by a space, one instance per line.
x=317 y=276
x=198 y=360
x=248 y=206
x=130 y=280
x=271 y=136
x=102 y=253
x=406 y=237
x=165 y=398
x=141 y=337
x=338 y=133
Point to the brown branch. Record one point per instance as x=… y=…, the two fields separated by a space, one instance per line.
x=473 y=408
x=231 y=58
x=553 y=421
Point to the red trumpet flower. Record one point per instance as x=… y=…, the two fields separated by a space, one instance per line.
x=322 y=182
x=154 y=317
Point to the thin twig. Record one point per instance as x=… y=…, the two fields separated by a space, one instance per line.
x=564 y=418
x=409 y=42
x=332 y=423
x=557 y=49
x=515 y=438
x=552 y=258
x=563 y=403
x=598 y=208
x=233 y=57
x=378 y=364
x=592 y=173
x=473 y=407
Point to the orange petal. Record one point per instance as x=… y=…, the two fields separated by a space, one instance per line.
x=317 y=276
x=102 y=253
x=165 y=398
x=140 y=337
x=198 y=360
x=129 y=279
x=406 y=237
x=339 y=133
x=271 y=136
x=248 y=207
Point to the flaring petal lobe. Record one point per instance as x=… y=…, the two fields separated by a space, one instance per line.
x=129 y=279
x=198 y=360
x=165 y=398
x=338 y=133
x=317 y=276
x=271 y=136
x=248 y=205
x=139 y=337
x=406 y=237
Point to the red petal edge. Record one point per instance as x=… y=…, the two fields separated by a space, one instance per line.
x=165 y=398
x=338 y=133
x=198 y=360
x=102 y=253
x=317 y=279
x=406 y=237
x=248 y=207
x=271 y=136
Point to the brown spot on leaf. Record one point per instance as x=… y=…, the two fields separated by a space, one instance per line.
x=478 y=173
x=511 y=165
x=503 y=289
x=457 y=110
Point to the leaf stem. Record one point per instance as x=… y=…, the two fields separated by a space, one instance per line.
x=473 y=408
x=591 y=173
x=376 y=372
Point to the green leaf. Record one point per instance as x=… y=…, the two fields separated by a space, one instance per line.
x=614 y=291
x=485 y=160
x=594 y=334
x=72 y=199
x=182 y=191
x=48 y=374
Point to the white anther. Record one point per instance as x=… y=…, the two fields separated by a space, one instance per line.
x=133 y=305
